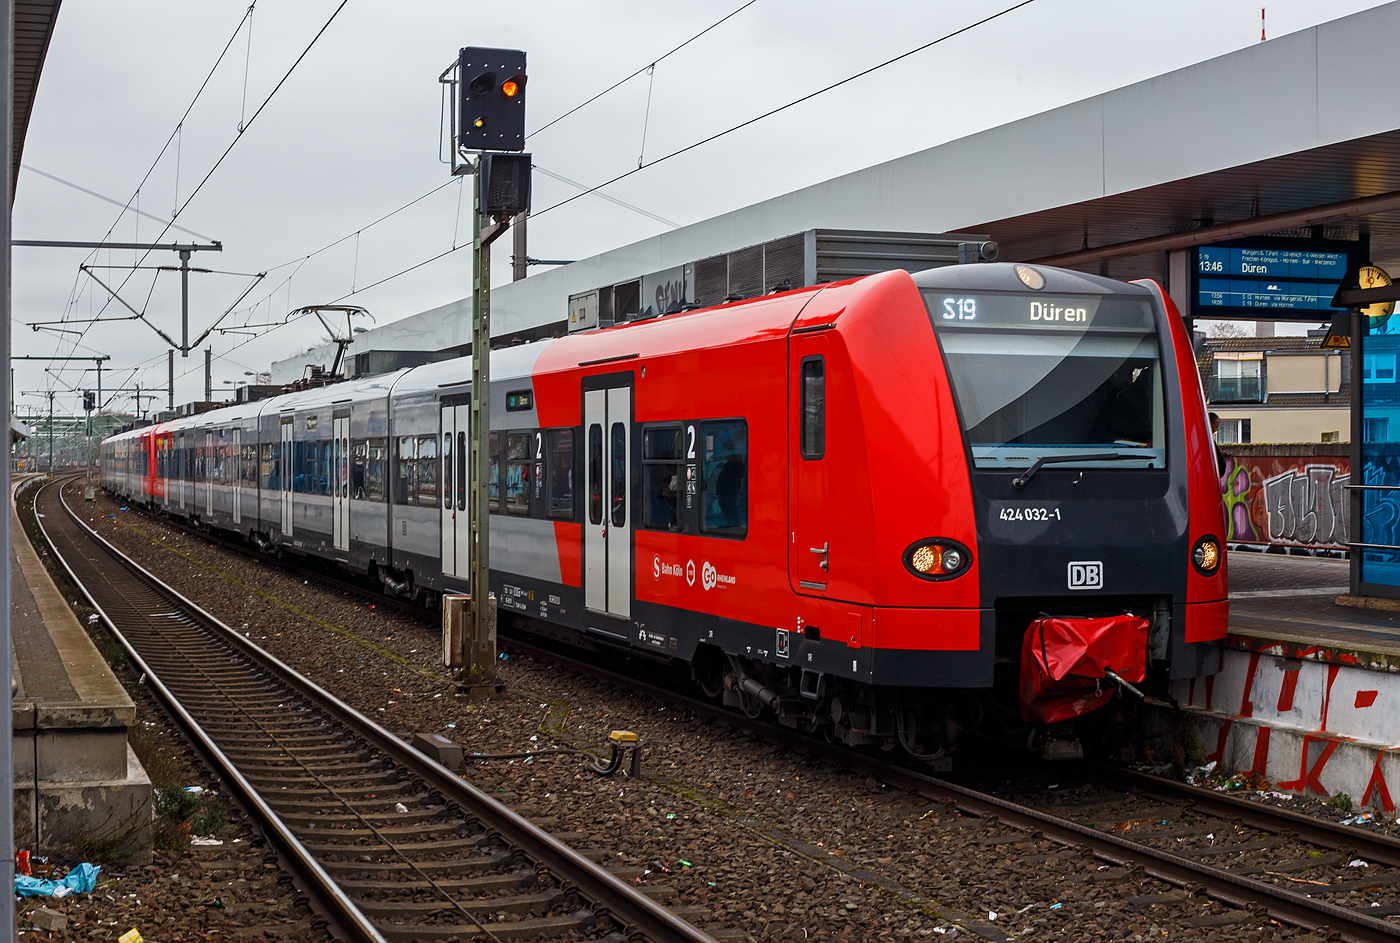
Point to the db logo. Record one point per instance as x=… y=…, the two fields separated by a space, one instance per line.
x=656 y=567
x=690 y=572
x=1086 y=574
x=708 y=576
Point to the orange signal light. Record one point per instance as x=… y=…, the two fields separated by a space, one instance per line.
x=509 y=88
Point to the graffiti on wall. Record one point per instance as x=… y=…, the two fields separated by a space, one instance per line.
x=1299 y=501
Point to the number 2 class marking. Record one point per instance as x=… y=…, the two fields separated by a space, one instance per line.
x=690 y=439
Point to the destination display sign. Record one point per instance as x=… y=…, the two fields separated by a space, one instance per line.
x=1264 y=276
x=1071 y=314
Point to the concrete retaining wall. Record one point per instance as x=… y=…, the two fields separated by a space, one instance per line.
x=1311 y=721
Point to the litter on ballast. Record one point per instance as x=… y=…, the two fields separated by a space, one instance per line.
x=1056 y=906
x=1357 y=819
x=131 y=936
x=685 y=864
x=505 y=656
x=1357 y=863
x=195 y=790
x=83 y=878
x=22 y=865
x=205 y=840
x=1200 y=773
x=400 y=807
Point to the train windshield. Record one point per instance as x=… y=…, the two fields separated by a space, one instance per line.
x=1047 y=377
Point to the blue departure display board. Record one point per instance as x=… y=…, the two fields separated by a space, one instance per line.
x=1257 y=278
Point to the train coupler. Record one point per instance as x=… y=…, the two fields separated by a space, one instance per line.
x=623 y=742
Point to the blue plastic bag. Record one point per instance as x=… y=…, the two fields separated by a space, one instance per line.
x=82 y=878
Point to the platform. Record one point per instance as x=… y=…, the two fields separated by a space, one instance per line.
x=70 y=721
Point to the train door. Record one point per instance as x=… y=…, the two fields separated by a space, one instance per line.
x=809 y=545
x=607 y=540
x=288 y=473
x=236 y=456
x=340 y=455
x=182 y=468
x=210 y=463
x=456 y=522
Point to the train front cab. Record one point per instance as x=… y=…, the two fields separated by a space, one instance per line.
x=1089 y=470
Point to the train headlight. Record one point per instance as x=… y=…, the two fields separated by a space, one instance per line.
x=927 y=559
x=937 y=559
x=1206 y=556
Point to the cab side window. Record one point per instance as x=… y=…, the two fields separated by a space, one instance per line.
x=813 y=407
x=725 y=473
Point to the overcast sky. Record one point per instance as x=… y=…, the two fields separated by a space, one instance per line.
x=353 y=134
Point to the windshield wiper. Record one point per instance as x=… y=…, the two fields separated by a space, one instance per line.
x=1020 y=481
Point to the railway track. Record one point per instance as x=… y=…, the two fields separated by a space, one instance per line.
x=1180 y=834
x=387 y=844
x=1275 y=856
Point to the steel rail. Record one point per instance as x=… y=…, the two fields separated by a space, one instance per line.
x=347 y=918
x=636 y=912
x=1373 y=846
x=1239 y=891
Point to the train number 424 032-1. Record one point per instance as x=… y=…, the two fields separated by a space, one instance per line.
x=1030 y=514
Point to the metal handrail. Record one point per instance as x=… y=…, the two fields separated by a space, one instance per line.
x=1371 y=487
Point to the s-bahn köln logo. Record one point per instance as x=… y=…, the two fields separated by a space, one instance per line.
x=710 y=577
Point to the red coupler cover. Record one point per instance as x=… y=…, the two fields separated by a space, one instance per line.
x=1063 y=662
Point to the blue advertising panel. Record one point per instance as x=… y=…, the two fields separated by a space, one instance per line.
x=1273 y=278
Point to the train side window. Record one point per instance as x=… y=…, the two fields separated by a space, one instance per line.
x=250 y=465
x=618 y=447
x=560 y=483
x=461 y=471
x=403 y=477
x=595 y=474
x=376 y=460
x=271 y=481
x=493 y=472
x=662 y=455
x=813 y=407
x=724 y=470
x=448 y=496
x=298 y=467
x=359 y=460
x=426 y=479
x=519 y=454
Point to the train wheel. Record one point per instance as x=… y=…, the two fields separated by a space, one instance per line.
x=709 y=673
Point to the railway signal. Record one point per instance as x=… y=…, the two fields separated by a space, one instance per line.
x=491 y=101
x=489 y=118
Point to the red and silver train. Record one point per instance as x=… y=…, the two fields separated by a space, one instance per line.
x=865 y=506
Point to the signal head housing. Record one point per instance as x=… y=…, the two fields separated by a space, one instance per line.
x=491 y=99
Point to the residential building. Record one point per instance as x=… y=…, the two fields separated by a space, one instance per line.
x=1282 y=389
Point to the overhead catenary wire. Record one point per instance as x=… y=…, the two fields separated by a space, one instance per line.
x=239 y=136
x=781 y=108
x=156 y=162
x=115 y=202
x=650 y=65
